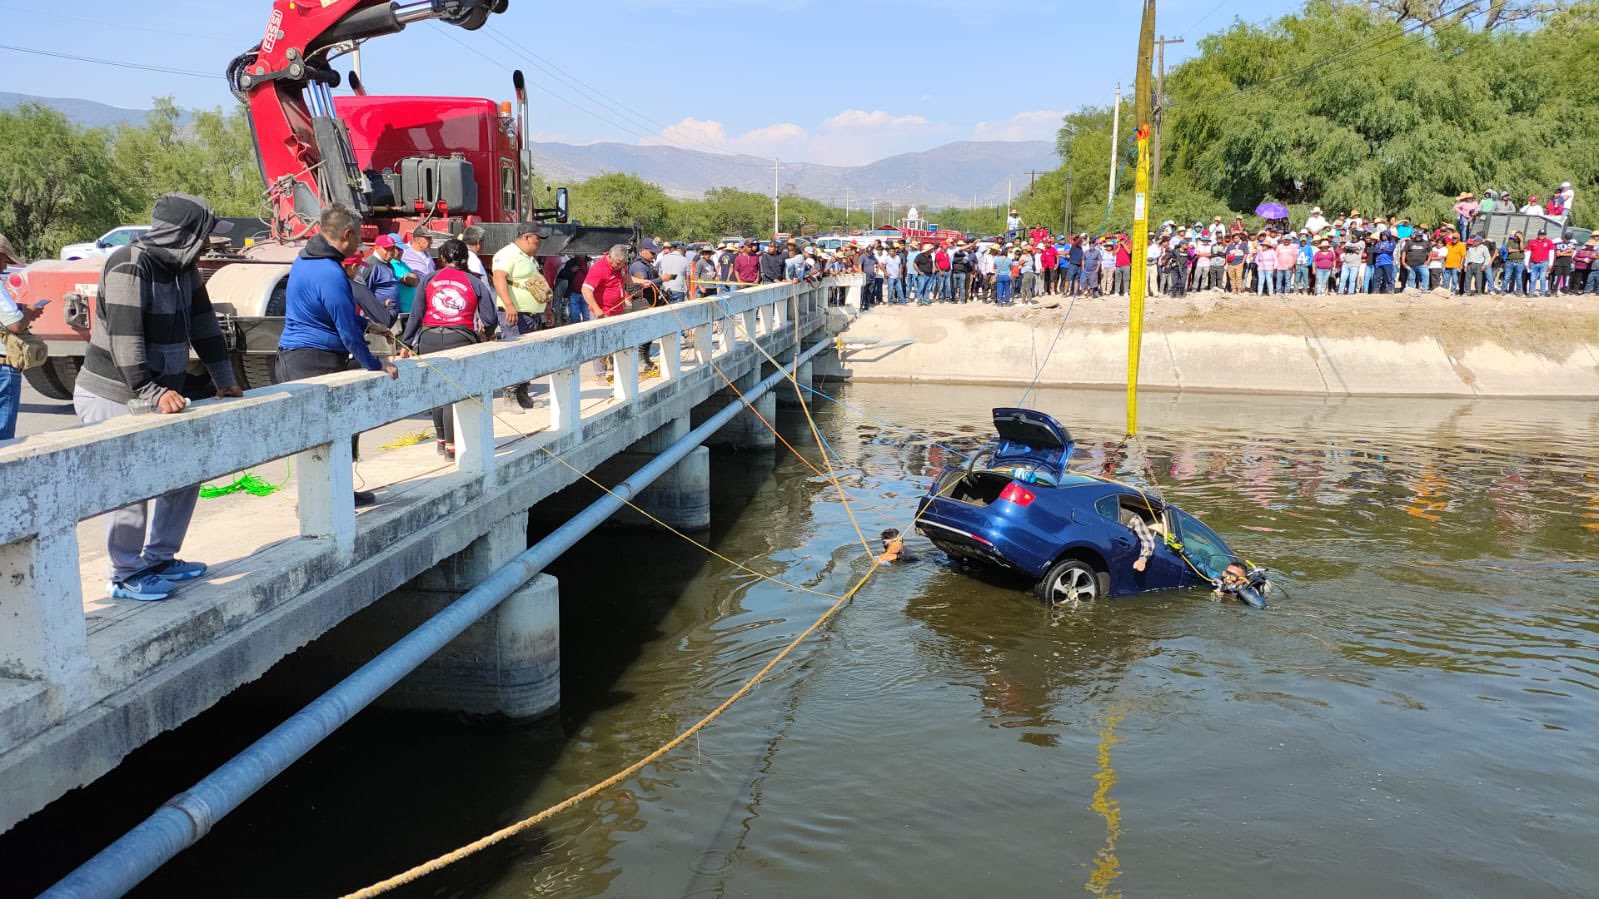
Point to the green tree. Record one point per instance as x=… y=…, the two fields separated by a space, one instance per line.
x=60 y=182
x=616 y=199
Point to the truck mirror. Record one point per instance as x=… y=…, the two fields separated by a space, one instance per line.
x=562 y=208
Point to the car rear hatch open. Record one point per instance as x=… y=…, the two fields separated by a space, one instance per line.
x=1027 y=436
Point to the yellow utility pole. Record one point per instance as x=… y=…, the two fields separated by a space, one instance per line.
x=1140 y=235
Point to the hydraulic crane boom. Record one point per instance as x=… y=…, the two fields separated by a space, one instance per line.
x=287 y=81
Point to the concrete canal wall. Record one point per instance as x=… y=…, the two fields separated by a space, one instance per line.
x=1434 y=350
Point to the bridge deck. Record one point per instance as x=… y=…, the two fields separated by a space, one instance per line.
x=85 y=680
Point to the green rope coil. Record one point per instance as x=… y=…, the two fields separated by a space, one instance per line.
x=249 y=482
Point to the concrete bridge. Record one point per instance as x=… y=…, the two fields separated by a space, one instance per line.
x=84 y=681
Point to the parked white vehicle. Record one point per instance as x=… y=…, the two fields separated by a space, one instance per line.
x=108 y=242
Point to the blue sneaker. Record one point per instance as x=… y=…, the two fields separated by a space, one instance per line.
x=178 y=570
x=144 y=587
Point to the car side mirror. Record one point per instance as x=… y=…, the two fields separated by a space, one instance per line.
x=562 y=205
x=102 y=245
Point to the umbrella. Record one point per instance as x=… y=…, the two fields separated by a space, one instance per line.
x=1272 y=211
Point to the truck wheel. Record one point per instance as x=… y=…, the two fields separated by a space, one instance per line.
x=255 y=370
x=56 y=377
x=1071 y=580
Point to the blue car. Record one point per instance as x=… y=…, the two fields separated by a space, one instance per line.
x=1015 y=506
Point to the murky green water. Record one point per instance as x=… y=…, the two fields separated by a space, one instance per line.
x=1416 y=717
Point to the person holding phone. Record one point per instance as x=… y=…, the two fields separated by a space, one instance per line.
x=15 y=319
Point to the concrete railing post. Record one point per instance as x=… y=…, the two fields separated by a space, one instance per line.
x=327 y=493
x=752 y=325
x=624 y=374
x=566 y=401
x=704 y=346
x=474 y=436
x=43 y=636
x=672 y=356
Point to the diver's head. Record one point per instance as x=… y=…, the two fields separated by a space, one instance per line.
x=890 y=537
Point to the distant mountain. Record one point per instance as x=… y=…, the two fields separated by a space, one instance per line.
x=950 y=175
x=84 y=112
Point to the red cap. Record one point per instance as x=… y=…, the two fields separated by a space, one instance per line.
x=384 y=242
x=351 y=260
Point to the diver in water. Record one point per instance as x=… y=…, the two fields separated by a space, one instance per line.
x=1233 y=578
x=894 y=548
x=1238 y=583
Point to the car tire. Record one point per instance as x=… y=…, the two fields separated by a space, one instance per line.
x=56 y=377
x=1071 y=580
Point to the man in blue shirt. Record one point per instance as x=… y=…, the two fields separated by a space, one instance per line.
x=321 y=330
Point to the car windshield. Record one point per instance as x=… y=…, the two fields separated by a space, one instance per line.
x=118 y=237
x=1208 y=552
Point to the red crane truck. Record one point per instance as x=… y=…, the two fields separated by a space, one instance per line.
x=403 y=162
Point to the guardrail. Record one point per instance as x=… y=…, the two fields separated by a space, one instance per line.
x=50 y=483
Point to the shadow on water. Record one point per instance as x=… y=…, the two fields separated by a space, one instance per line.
x=391 y=789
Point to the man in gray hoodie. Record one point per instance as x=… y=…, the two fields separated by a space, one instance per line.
x=152 y=306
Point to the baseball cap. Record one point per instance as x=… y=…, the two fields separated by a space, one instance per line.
x=647 y=245
x=384 y=242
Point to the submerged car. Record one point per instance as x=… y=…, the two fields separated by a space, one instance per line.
x=1015 y=506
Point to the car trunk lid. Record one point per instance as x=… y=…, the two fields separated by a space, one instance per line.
x=1030 y=436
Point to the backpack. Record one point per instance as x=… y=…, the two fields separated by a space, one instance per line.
x=24 y=350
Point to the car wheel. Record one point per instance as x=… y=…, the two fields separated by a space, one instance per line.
x=1071 y=580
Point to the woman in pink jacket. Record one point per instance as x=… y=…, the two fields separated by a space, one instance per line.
x=1265 y=267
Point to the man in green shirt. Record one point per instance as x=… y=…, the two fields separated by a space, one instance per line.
x=518 y=279
x=519 y=282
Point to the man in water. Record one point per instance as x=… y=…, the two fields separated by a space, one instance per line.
x=894 y=548
x=1233 y=578
x=1146 y=540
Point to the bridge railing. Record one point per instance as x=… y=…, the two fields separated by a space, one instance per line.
x=51 y=482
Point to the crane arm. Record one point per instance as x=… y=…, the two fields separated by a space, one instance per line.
x=287 y=82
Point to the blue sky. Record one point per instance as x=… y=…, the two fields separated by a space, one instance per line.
x=700 y=74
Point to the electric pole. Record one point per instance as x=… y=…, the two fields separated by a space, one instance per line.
x=775 y=228
x=846 y=209
x=1032 y=178
x=1159 y=108
x=1115 y=138
x=1068 y=222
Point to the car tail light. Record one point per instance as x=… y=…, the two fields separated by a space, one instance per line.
x=1018 y=494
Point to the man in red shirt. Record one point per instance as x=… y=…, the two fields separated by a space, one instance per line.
x=605 y=286
x=1539 y=251
x=1048 y=258
x=747 y=265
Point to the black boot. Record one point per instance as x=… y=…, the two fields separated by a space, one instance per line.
x=522 y=399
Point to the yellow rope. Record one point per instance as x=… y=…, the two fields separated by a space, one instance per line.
x=830 y=474
x=631 y=505
x=442 y=861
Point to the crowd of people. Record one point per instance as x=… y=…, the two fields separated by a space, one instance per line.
x=1348 y=254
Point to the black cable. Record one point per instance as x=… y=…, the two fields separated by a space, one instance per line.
x=110 y=62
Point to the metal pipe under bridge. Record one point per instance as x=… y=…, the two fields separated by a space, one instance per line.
x=84 y=682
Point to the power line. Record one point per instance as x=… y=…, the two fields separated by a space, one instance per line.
x=111 y=62
x=597 y=97
x=1201 y=19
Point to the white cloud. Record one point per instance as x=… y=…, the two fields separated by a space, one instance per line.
x=852 y=137
x=877 y=118
x=1038 y=124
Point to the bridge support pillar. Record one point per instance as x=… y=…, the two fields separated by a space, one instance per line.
x=790 y=396
x=507 y=664
x=681 y=497
x=747 y=430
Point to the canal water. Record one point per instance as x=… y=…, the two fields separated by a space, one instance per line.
x=1417 y=715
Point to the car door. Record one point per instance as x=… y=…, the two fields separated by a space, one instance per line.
x=1163 y=571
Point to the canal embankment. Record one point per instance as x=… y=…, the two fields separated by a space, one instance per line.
x=1402 y=345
